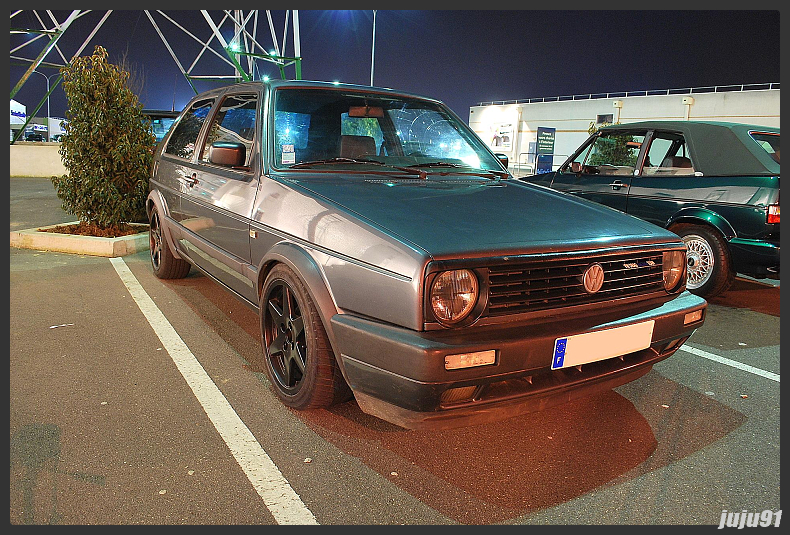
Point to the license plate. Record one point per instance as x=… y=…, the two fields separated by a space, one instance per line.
x=599 y=345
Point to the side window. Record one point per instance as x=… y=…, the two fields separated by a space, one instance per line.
x=667 y=155
x=611 y=154
x=234 y=124
x=768 y=142
x=182 y=142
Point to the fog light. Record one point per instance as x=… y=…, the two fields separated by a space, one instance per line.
x=692 y=317
x=469 y=360
x=462 y=393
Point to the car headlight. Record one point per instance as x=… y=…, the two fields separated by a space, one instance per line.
x=674 y=264
x=453 y=295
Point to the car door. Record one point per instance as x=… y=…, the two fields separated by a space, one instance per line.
x=216 y=208
x=176 y=167
x=602 y=170
x=668 y=181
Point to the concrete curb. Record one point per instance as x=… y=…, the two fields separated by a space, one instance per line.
x=73 y=243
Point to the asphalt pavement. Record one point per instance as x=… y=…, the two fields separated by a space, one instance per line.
x=107 y=428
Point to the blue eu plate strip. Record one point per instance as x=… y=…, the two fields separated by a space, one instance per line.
x=559 y=353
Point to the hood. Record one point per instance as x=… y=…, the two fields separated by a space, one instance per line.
x=450 y=215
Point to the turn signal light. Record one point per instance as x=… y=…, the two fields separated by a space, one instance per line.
x=773 y=213
x=469 y=360
x=692 y=317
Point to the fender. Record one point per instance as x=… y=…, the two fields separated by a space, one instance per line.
x=305 y=266
x=703 y=215
x=155 y=198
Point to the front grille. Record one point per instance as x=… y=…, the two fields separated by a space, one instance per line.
x=540 y=284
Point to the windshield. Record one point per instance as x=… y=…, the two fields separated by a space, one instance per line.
x=316 y=128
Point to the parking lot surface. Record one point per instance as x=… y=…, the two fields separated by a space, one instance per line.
x=138 y=401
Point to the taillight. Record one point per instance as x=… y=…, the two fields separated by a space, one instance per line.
x=773 y=213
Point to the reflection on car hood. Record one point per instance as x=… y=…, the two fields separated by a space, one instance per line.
x=449 y=215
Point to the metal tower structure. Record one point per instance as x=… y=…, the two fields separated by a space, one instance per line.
x=242 y=52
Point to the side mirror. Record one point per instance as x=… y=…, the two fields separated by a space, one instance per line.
x=502 y=159
x=227 y=153
x=576 y=167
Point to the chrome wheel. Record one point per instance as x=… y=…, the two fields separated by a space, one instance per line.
x=700 y=260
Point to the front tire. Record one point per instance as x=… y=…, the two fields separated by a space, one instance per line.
x=709 y=267
x=164 y=263
x=299 y=359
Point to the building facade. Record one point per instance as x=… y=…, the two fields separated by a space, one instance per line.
x=512 y=127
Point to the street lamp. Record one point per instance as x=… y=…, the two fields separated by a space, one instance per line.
x=47 y=77
x=373 y=48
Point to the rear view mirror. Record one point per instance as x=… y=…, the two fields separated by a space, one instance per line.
x=576 y=167
x=366 y=111
x=227 y=153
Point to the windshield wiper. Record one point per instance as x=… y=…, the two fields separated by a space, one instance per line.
x=438 y=164
x=474 y=172
x=325 y=161
x=407 y=170
x=411 y=169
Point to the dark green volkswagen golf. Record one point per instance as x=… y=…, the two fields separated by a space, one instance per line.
x=715 y=184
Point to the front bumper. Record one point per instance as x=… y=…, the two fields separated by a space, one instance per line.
x=399 y=375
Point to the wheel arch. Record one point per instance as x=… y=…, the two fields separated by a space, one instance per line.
x=704 y=217
x=155 y=199
x=307 y=269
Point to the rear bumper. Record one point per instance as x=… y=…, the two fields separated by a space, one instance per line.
x=756 y=258
x=399 y=375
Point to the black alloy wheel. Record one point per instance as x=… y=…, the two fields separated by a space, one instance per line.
x=299 y=359
x=286 y=344
x=163 y=262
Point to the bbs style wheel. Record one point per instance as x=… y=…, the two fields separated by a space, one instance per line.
x=707 y=258
x=165 y=265
x=299 y=359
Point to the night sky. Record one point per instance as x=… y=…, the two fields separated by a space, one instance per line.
x=461 y=57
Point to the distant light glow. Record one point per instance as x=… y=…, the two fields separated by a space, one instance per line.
x=266 y=78
x=336 y=82
x=471 y=161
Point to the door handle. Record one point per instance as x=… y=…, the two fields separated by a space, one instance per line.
x=617 y=185
x=190 y=180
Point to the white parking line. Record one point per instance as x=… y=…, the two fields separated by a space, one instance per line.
x=277 y=494
x=734 y=363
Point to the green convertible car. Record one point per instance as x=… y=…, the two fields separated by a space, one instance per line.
x=715 y=184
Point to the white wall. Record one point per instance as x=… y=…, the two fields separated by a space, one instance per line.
x=572 y=118
x=36 y=159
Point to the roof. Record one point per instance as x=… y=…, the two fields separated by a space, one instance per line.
x=717 y=147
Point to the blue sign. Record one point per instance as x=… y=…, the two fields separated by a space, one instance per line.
x=545 y=140
x=545 y=163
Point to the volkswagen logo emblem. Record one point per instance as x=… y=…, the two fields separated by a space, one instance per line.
x=593 y=278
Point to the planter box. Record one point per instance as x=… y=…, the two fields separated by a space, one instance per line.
x=73 y=243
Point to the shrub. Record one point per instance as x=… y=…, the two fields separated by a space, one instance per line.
x=108 y=145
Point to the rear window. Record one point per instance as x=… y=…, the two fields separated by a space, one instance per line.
x=769 y=142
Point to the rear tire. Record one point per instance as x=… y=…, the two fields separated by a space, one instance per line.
x=300 y=363
x=709 y=268
x=164 y=263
